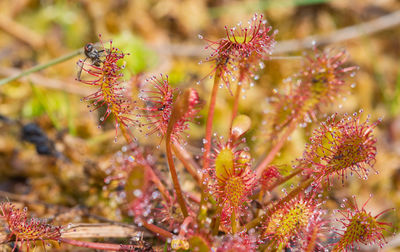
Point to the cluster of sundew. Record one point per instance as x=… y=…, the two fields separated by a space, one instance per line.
x=233 y=179
x=340 y=146
x=231 y=58
x=111 y=91
x=27 y=231
x=290 y=221
x=321 y=80
x=237 y=57
x=162 y=107
x=359 y=227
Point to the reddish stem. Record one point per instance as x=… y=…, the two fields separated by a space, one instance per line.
x=154 y=176
x=210 y=117
x=172 y=170
x=237 y=97
x=94 y=245
x=207 y=144
x=271 y=155
x=160 y=187
x=156 y=180
x=190 y=165
x=157 y=230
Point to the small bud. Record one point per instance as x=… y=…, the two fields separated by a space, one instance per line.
x=270 y=175
x=185 y=105
x=184 y=110
x=241 y=124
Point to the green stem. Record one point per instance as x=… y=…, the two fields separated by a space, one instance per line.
x=41 y=67
x=174 y=175
x=234 y=222
x=217 y=219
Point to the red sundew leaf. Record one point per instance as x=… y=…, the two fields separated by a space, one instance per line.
x=359 y=226
x=27 y=231
x=244 y=48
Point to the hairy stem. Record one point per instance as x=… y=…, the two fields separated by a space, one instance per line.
x=41 y=66
x=172 y=170
x=277 y=147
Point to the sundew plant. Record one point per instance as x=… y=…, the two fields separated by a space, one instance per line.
x=233 y=203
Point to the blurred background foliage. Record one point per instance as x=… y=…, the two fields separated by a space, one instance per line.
x=162 y=37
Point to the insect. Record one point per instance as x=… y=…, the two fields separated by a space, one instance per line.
x=92 y=53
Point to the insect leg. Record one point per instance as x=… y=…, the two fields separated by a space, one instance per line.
x=80 y=64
